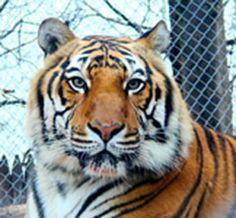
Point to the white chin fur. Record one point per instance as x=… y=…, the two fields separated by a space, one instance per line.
x=105 y=170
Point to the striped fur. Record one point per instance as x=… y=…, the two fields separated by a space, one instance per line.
x=113 y=137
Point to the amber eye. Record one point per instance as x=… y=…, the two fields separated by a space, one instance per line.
x=77 y=83
x=135 y=85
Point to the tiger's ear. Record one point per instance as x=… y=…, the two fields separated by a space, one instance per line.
x=158 y=38
x=53 y=34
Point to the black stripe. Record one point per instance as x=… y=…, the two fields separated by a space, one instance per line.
x=129 y=142
x=81 y=140
x=115 y=59
x=61 y=188
x=83 y=59
x=147 y=67
x=93 y=196
x=142 y=183
x=131 y=134
x=61 y=114
x=117 y=63
x=125 y=53
x=38 y=201
x=82 y=182
x=160 y=132
x=50 y=84
x=72 y=69
x=65 y=64
x=119 y=46
x=142 y=122
x=40 y=97
x=130 y=61
x=201 y=203
x=135 y=200
x=149 y=72
x=149 y=198
x=139 y=71
x=225 y=159
x=90 y=51
x=158 y=93
x=149 y=98
x=149 y=81
x=212 y=147
x=168 y=101
x=40 y=102
x=60 y=90
x=188 y=197
x=92 y=43
x=99 y=58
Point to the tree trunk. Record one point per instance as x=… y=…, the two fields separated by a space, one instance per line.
x=198 y=55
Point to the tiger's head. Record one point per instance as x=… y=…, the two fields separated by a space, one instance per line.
x=106 y=107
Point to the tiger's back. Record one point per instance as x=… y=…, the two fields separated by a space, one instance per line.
x=113 y=136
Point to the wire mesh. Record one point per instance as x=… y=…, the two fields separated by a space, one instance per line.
x=199 y=57
x=202 y=55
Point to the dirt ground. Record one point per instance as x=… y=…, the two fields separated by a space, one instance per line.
x=14 y=211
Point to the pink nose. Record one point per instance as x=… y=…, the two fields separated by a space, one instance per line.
x=106 y=130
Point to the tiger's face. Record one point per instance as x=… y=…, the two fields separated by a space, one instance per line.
x=110 y=88
x=105 y=106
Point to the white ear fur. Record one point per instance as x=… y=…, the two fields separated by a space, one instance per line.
x=52 y=34
x=158 y=38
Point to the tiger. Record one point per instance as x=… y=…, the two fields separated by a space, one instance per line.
x=113 y=136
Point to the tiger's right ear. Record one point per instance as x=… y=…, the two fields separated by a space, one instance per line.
x=53 y=34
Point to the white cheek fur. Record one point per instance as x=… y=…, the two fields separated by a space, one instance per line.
x=156 y=156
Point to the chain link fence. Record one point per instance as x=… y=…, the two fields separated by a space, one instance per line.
x=202 y=56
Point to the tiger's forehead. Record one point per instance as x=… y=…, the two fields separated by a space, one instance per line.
x=92 y=45
x=107 y=39
x=103 y=51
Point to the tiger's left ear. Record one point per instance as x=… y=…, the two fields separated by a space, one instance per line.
x=53 y=34
x=158 y=38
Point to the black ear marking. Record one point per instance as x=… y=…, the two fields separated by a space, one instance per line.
x=53 y=34
x=53 y=44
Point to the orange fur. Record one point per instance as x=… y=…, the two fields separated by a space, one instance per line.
x=200 y=184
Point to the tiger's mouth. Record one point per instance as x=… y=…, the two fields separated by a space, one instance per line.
x=103 y=164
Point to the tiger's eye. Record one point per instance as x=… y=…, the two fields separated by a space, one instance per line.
x=78 y=82
x=134 y=84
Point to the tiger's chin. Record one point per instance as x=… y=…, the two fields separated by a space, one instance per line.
x=104 y=165
x=102 y=171
x=105 y=170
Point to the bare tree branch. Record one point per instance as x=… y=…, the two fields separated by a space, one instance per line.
x=11 y=30
x=148 y=9
x=97 y=13
x=108 y=19
x=65 y=8
x=9 y=50
x=14 y=102
x=135 y=26
x=4 y=4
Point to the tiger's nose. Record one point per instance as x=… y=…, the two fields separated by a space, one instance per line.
x=106 y=130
